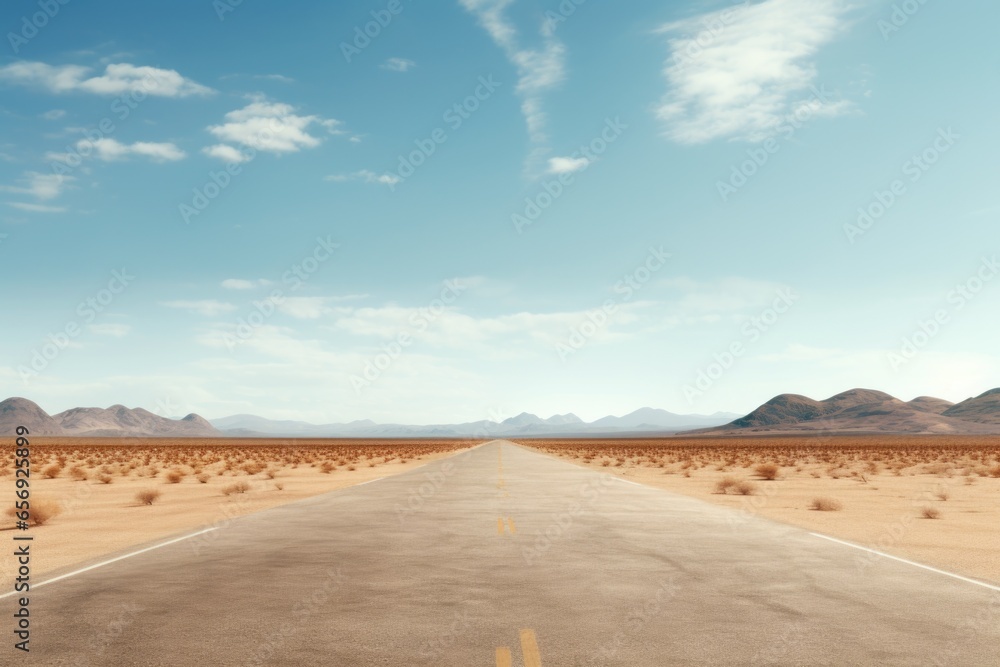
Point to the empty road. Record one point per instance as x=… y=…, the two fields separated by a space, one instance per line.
x=503 y=556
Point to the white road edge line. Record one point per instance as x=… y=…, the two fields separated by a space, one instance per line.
x=113 y=560
x=909 y=562
x=374 y=480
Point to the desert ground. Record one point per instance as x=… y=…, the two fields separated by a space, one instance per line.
x=94 y=496
x=931 y=499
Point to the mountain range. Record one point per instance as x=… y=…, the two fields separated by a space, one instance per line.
x=866 y=410
x=644 y=420
x=116 y=421
x=853 y=411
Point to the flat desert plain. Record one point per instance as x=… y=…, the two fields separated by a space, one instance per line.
x=94 y=496
x=931 y=499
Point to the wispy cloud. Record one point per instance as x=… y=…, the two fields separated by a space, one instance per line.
x=207 y=307
x=242 y=284
x=273 y=127
x=54 y=114
x=567 y=165
x=539 y=69
x=365 y=176
x=37 y=208
x=398 y=65
x=110 y=329
x=117 y=79
x=40 y=186
x=111 y=150
x=743 y=78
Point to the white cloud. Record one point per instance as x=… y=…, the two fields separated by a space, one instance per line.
x=275 y=77
x=226 y=153
x=109 y=150
x=108 y=329
x=40 y=186
x=742 y=80
x=273 y=127
x=726 y=296
x=539 y=69
x=207 y=307
x=241 y=284
x=116 y=79
x=54 y=114
x=37 y=208
x=366 y=176
x=567 y=165
x=398 y=65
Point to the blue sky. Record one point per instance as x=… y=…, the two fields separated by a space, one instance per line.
x=485 y=207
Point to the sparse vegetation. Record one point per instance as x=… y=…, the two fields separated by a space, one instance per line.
x=724 y=484
x=745 y=488
x=826 y=505
x=238 y=487
x=40 y=511
x=930 y=513
x=147 y=496
x=768 y=471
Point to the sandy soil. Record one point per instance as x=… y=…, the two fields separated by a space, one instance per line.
x=97 y=519
x=880 y=510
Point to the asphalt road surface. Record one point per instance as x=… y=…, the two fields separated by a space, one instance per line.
x=503 y=556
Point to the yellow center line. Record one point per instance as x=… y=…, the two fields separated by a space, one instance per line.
x=503 y=657
x=500 y=526
x=511 y=526
x=529 y=647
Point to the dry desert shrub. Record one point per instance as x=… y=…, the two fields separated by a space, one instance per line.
x=78 y=474
x=174 y=477
x=327 y=467
x=768 y=471
x=279 y=486
x=105 y=478
x=238 y=487
x=147 y=496
x=203 y=477
x=930 y=513
x=826 y=505
x=745 y=488
x=52 y=471
x=943 y=495
x=39 y=512
x=724 y=484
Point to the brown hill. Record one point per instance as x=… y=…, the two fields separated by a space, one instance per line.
x=983 y=409
x=16 y=412
x=930 y=404
x=865 y=410
x=115 y=421
x=121 y=421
